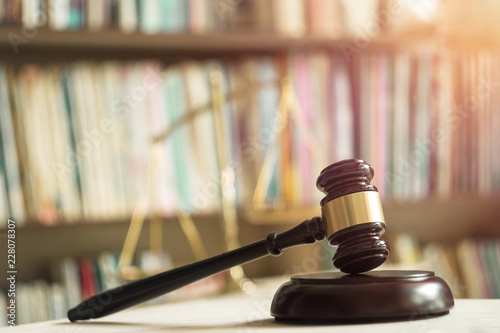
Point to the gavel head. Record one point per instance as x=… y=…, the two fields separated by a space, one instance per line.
x=352 y=216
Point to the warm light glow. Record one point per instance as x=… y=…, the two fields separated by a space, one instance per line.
x=424 y=9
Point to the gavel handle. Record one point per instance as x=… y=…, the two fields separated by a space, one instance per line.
x=120 y=298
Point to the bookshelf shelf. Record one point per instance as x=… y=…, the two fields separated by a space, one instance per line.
x=432 y=219
x=178 y=42
x=46 y=43
x=441 y=220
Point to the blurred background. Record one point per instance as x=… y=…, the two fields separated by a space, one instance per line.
x=137 y=136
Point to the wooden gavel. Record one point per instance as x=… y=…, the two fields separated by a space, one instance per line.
x=352 y=219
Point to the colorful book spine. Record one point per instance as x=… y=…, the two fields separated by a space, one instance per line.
x=11 y=193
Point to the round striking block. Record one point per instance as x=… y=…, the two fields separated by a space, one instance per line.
x=377 y=295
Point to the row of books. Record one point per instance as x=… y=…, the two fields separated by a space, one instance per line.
x=74 y=280
x=480 y=267
x=35 y=301
x=77 y=139
x=427 y=124
x=327 y=18
x=471 y=267
x=77 y=143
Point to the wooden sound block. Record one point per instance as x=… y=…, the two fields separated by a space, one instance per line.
x=375 y=295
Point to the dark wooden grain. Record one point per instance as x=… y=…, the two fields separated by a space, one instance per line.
x=360 y=247
x=377 y=295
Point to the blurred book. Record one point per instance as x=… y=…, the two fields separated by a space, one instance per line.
x=11 y=193
x=11 y=12
x=66 y=273
x=3 y=308
x=442 y=259
x=360 y=18
x=289 y=17
x=324 y=18
x=88 y=280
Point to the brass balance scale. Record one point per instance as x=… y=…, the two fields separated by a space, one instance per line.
x=288 y=113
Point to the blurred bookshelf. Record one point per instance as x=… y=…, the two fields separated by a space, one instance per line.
x=297 y=94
